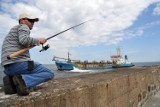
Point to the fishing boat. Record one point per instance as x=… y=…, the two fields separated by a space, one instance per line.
x=119 y=61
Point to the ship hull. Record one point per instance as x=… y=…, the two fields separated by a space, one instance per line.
x=122 y=65
x=64 y=65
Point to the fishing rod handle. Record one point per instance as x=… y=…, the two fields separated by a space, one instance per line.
x=15 y=54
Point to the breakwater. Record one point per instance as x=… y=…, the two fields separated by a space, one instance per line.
x=127 y=87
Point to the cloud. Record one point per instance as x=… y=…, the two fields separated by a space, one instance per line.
x=156 y=11
x=139 y=31
x=6 y=23
x=111 y=19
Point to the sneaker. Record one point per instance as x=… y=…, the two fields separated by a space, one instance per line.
x=9 y=87
x=20 y=85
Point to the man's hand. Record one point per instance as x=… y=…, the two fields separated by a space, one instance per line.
x=42 y=40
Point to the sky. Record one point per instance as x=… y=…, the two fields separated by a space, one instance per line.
x=132 y=25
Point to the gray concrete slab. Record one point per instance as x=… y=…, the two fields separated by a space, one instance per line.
x=154 y=101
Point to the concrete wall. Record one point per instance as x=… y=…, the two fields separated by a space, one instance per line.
x=129 y=87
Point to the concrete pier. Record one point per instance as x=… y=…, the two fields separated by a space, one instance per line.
x=127 y=87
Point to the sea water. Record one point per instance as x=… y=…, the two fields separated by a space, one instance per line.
x=76 y=71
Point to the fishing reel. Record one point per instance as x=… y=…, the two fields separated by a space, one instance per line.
x=44 y=48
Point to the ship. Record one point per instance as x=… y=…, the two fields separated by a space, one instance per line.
x=117 y=61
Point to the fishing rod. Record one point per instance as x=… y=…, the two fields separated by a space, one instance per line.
x=43 y=47
x=47 y=46
x=68 y=29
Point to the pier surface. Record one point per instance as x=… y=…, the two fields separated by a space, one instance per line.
x=124 y=87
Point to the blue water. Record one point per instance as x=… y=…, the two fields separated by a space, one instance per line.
x=146 y=63
x=76 y=72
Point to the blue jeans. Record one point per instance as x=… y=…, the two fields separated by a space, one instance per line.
x=32 y=78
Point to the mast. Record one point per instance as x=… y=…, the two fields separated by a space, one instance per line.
x=69 y=57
